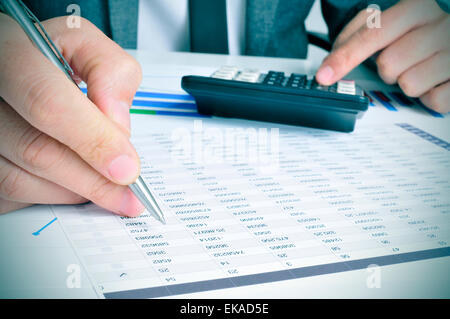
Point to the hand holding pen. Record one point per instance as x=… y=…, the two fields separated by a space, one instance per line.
x=58 y=146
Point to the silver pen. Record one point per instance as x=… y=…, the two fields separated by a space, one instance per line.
x=30 y=24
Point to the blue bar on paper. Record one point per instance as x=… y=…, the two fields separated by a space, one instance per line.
x=426 y=136
x=301 y=272
x=432 y=112
x=158 y=95
x=262 y=278
x=146 y=293
x=317 y=270
x=379 y=261
x=383 y=99
x=198 y=286
x=370 y=99
x=172 y=105
x=178 y=113
x=425 y=254
x=401 y=99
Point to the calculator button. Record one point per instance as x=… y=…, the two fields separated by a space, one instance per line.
x=332 y=88
x=222 y=75
x=346 y=87
x=308 y=84
x=321 y=87
x=229 y=68
x=248 y=75
x=317 y=86
x=296 y=80
x=276 y=73
x=295 y=76
x=274 y=78
x=247 y=79
x=226 y=72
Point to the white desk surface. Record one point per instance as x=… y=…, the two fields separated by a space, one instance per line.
x=35 y=267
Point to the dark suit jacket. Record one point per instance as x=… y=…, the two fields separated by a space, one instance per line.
x=273 y=27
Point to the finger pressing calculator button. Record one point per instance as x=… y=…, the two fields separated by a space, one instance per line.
x=317 y=86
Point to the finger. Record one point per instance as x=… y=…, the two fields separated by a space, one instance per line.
x=437 y=99
x=18 y=185
x=43 y=156
x=422 y=77
x=399 y=56
x=8 y=206
x=367 y=41
x=42 y=95
x=354 y=25
x=111 y=74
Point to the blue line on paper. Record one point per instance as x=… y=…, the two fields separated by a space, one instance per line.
x=401 y=99
x=426 y=136
x=159 y=95
x=433 y=113
x=174 y=105
x=36 y=233
x=176 y=113
x=386 y=104
x=182 y=97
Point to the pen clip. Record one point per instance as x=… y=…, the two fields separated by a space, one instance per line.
x=45 y=35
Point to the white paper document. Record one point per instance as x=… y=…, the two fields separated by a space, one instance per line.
x=248 y=203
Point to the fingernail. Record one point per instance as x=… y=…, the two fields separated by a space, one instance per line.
x=130 y=205
x=121 y=114
x=123 y=169
x=325 y=75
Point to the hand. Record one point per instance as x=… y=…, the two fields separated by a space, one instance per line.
x=414 y=51
x=56 y=145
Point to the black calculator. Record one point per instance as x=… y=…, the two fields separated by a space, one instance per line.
x=294 y=99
